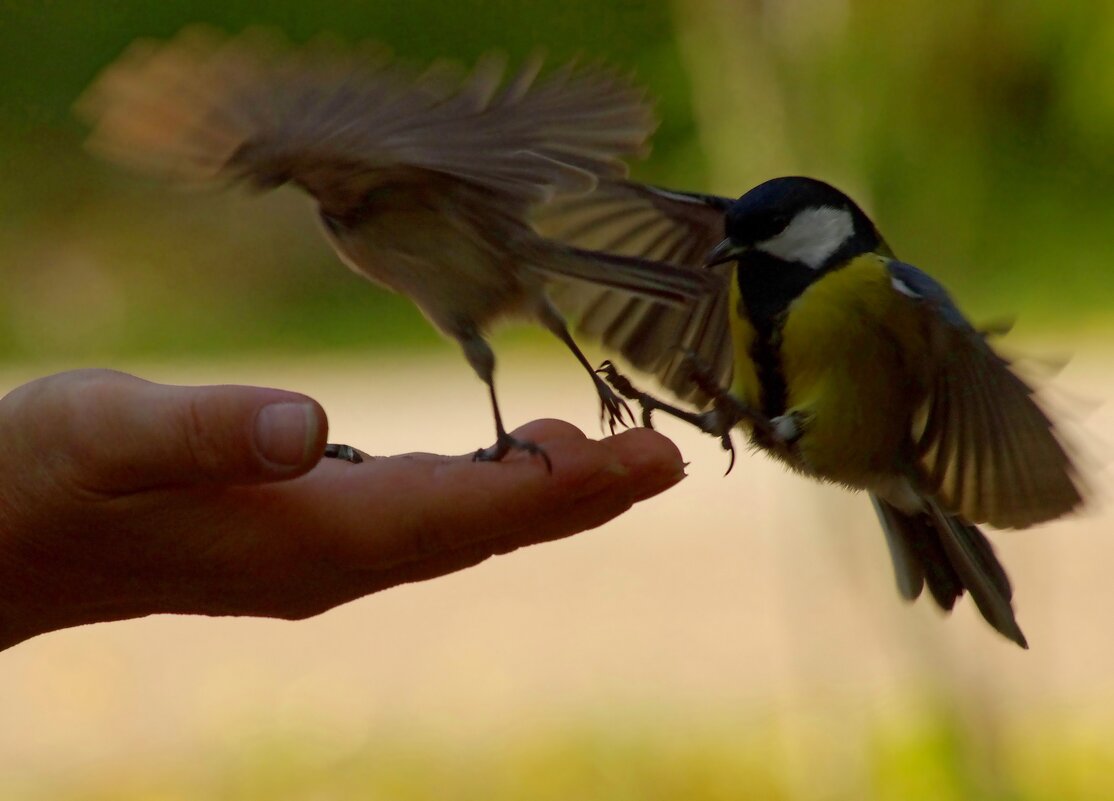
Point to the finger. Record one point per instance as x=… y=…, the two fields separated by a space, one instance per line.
x=351 y=584
x=125 y=434
x=417 y=507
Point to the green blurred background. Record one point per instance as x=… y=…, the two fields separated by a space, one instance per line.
x=980 y=136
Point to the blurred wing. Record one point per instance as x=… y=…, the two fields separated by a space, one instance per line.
x=673 y=227
x=204 y=107
x=985 y=448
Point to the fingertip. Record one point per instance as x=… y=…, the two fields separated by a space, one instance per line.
x=652 y=459
x=640 y=462
x=645 y=447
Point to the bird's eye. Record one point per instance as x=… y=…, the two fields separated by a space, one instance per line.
x=780 y=221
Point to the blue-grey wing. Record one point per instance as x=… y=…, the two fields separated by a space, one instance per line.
x=985 y=448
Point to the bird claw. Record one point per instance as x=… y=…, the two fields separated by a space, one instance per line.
x=728 y=445
x=344 y=453
x=718 y=421
x=505 y=443
x=622 y=385
x=613 y=408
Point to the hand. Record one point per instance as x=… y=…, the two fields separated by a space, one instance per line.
x=121 y=498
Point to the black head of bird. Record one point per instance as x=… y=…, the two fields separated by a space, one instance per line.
x=797 y=220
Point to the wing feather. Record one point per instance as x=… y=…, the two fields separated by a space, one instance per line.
x=986 y=450
x=661 y=225
x=204 y=106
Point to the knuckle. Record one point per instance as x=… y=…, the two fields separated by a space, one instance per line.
x=65 y=425
x=201 y=441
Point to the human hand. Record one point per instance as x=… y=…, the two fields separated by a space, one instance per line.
x=121 y=498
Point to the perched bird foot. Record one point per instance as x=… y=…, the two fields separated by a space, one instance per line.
x=717 y=421
x=505 y=443
x=345 y=453
x=613 y=409
x=623 y=386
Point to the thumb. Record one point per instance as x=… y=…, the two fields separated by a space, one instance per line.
x=125 y=434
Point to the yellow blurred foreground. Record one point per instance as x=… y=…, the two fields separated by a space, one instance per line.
x=738 y=637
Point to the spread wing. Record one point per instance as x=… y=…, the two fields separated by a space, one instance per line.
x=336 y=121
x=673 y=227
x=985 y=447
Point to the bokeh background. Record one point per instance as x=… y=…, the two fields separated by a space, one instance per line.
x=736 y=638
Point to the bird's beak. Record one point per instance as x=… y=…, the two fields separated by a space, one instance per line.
x=727 y=250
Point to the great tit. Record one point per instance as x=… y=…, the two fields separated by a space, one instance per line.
x=423 y=182
x=847 y=364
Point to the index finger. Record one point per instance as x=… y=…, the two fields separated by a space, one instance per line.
x=399 y=509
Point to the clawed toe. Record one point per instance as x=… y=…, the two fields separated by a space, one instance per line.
x=344 y=453
x=613 y=409
x=615 y=404
x=505 y=444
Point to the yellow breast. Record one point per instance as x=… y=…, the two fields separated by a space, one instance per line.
x=744 y=383
x=850 y=354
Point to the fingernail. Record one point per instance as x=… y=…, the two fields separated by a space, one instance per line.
x=285 y=433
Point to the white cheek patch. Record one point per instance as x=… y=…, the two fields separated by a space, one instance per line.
x=904 y=288
x=812 y=236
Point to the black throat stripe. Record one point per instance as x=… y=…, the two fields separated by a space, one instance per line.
x=767 y=286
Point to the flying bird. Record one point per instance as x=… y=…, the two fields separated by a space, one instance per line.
x=424 y=182
x=840 y=360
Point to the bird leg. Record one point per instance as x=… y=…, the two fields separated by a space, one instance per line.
x=712 y=422
x=480 y=356
x=733 y=410
x=505 y=443
x=612 y=407
x=726 y=411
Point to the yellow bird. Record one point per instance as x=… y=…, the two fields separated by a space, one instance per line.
x=424 y=182
x=845 y=363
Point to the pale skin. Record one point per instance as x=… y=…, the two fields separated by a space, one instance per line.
x=120 y=498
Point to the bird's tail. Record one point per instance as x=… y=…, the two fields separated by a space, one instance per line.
x=935 y=548
x=637 y=276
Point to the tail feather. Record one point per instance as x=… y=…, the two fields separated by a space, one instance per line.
x=642 y=277
x=951 y=556
x=918 y=556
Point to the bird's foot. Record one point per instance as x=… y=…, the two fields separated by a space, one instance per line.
x=505 y=443
x=717 y=421
x=730 y=409
x=613 y=409
x=344 y=453
x=623 y=386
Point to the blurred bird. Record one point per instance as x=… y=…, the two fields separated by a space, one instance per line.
x=847 y=364
x=423 y=182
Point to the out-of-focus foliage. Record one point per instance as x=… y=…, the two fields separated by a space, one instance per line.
x=100 y=263
x=932 y=759
x=981 y=136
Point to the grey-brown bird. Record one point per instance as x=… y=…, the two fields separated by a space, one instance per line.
x=845 y=363
x=424 y=182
